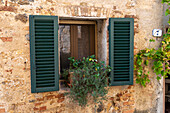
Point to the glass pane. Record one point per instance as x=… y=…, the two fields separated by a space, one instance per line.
x=75 y=41
x=65 y=52
x=85 y=41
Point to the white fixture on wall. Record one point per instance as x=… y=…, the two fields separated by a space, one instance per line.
x=157 y=32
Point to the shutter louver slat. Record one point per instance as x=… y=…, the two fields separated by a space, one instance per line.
x=121 y=39
x=45 y=53
x=116 y=67
x=120 y=59
x=44 y=37
x=121 y=50
x=45 y=46
x=122 y=73
x=42 y=24
x=121 y=28
x=121 y=64
x=44 y=27
x=47 y=65
x=122 y=79
x=38 y=63
x=44 y=43
x=44 y=50
x=41 y=68
x=121 y=36
x=42 y=76
x=121 y=70
x=46 y=78
x=43 y=30
x=45 y=85
x=45 y=81
x=42 y=56
x=44 y=72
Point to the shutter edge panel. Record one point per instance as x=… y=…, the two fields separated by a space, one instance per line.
x=121 y=50
x=44 y=53
x=56 y=27
x=131 y=49
x=32 y=54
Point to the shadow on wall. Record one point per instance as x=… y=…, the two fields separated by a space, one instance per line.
x=152 y=110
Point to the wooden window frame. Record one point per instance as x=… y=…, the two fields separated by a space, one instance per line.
x=79 y=22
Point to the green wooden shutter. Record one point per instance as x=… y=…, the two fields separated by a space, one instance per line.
x=121 y=46
x=44 y=53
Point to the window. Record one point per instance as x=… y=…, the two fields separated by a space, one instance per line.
x=77 y=39
x=121 y=36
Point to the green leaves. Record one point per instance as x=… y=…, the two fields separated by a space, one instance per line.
x=89 y=78
x=163 y=73
x=146 y=62
x=167 y=12
x=159 y=57
x=146 y=54
x=139 y=61
x=151 y=40
x=166 y=1
x=158 y=78
x=143 y=81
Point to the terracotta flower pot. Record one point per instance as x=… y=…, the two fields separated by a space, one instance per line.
x=70 y=77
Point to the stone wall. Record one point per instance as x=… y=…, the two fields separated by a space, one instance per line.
x=15 y=84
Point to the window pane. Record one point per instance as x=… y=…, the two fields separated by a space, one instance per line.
x=85 y=41
x=76 y=41
x=65 y=52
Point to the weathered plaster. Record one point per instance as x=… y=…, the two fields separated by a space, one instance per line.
x=15 y=87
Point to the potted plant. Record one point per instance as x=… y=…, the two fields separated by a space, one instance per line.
x=89 y=78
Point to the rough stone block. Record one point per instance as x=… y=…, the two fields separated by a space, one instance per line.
x=129 y=111
x=49 y=97
x=129 y=16
x=125 y=98
x=125 y=107
x=24 y=2
x=129 y=103
x=35 y=109
x=127 y=95
x=8 y=8
x=2 y=110
x=60 y=95
x=21 y=17
x=60 y=100
x=37 y=104
x=43 y=108
x=83 y=4
x=6 y=39
x=40 y=99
